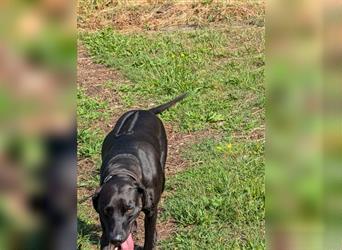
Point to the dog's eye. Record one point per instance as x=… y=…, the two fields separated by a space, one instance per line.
x=108 y=210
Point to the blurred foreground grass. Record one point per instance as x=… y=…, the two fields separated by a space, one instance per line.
x=37 y=127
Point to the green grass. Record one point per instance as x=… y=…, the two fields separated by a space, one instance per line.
x=218 y=202
x=221 y=69
x=89 y=112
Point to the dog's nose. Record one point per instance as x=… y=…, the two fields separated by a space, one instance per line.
x=117 y=239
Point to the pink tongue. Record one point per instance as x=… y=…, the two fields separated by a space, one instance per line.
x=128 y=244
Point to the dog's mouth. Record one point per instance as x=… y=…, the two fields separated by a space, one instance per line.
x=126 y=245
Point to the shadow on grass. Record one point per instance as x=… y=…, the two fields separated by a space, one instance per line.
x=89 y=231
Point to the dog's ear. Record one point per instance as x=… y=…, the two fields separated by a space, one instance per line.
x=95 y=198
x=146 y=197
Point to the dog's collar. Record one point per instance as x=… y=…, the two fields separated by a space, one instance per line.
x=114 y=170
x=120 y=172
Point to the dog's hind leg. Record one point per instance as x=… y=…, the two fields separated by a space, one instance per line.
x=163 y=147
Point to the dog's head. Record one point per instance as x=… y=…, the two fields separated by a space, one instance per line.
x=118 y=203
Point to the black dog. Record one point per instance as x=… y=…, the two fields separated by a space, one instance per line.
x=132 y=175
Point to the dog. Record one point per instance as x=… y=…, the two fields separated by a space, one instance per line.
x=132 y=175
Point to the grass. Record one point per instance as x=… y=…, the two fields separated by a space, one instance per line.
x=218 y=202
x=217 y=71
x=89 y=111
x=146 y=15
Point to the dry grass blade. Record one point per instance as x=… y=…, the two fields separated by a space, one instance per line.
x=144 y=15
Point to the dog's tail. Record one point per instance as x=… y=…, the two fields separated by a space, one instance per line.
x=161 y=108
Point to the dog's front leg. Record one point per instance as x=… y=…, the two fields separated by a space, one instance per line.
x=150 y=229
x=104 y=242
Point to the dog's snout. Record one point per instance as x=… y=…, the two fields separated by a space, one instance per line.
x=117 y=239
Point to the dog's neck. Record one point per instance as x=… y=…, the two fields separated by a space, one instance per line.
x=122 y=165
x=121 y=173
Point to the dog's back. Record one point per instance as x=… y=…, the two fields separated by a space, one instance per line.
x=139 y=126
x=132 y=128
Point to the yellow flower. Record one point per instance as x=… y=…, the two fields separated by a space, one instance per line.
x=229 y=146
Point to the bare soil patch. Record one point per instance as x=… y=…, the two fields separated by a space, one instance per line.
x=92 y=77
